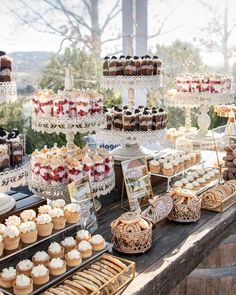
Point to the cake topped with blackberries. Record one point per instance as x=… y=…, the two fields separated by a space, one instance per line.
x=5 y=67
x=132 y=65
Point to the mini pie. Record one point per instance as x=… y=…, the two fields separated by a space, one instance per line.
x=24 y=267
x=97 y=242
x=41 y=257
x=85 y=249
x=22 y=285
x=55 y=250
x=40 y=275
x=57 y=267
x=7 y=277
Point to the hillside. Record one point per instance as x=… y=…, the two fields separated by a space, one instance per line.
x=28 y=67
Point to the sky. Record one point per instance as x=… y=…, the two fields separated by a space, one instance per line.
x=188 y=16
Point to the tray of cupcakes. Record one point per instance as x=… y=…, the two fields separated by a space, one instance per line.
x=31 y=228
x=35 y=271
x=106 y=275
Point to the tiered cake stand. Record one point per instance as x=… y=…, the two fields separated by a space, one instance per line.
x=130 y=141
x=204 y=101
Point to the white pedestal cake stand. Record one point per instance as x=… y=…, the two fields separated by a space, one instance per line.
x=203 y=100
x=131 y=141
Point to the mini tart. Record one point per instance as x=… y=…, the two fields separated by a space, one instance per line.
x=6 y=282
x=37 y=262
x=68 y=248
x=83 y=235
x=40 y=280
x=97 y=242
x=23 y=290
x=57 y=271
x=73 y=261
x=85 y=249
x=26 y=272
x=59 y=254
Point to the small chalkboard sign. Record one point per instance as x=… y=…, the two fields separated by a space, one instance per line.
x=137 y=182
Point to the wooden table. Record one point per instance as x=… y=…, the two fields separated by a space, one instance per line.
x=177 y=248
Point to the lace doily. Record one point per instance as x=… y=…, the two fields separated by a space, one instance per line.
x=135 y=82
x=195 y=99
x=15 y=177
x=51 y=192
x=8 y=92
x=68 y=125
x=130 y=137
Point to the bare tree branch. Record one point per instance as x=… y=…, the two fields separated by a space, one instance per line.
x=111 y=15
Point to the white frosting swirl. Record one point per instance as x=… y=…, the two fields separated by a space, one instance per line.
x=41 y=256
x=8 y=273
x=154 y=163
x=56 y=212
x=28 y=215
x=22 y=281
x=83 y=234
x=13 y=220
x=168 y=166
x=56 y=263
x=73 y=207
x=55 y=247
x=27 y=226
x=84 y=245
x=2 y=228
x=25 y=264
x=69 y=241
x=74 y=254
x=11 y=232
x=45 y=209
x=39 y=271
x=44 y=219
x=60 y=203
x=97 y=239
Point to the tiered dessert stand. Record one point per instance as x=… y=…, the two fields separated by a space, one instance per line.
x=203 y=138
x=12 y=177
x=130 y=141
x=69 y=127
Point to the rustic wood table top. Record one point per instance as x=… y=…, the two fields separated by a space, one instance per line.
x=177 y=248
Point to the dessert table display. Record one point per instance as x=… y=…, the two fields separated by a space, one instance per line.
x=131 y=127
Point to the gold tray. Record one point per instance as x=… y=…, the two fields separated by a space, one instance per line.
x=225 y=204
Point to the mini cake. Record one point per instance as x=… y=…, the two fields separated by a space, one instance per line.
x=45 y=209
x=11 y=238
x=44 y=225
x=73 y=258
x=41 y=257
x=58 y=218
x=59 y=203
x=40 y=275
x=24 y=267
x=168 y=169
x=57 y=267
x=1 y=245
x=83 y=235
x=7 y=277
x=69 y=244
x=22 y=285
x=72 y=213
x=28 y=232
x=13 y=221
x=28 y=215
x=154 y=166
x=85 y=249
x=55 y=250
x=97 y=242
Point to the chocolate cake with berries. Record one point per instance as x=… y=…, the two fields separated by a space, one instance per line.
x=5 y=67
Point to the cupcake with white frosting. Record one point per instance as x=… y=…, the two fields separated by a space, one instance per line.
x=40 y=275
x=97 y=242
x=24 y=267
x=73 y=258
x=57 y=267
x=22 y=285
x=72 y=213
x=28 y=232
x=58 y=218
x=154 y=166
x=44 y=225
x=83 y=235
x=7 y=277
x=69 y=244
x=85 y=249
x=13 y=221
x=41 y=257
x=168 y=169
x=11 y=237
x=28 y=215
x=59 y=203
x=45 y=209
x=55 y=250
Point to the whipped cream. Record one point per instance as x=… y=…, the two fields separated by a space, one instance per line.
x=2 y=228
x=13 y=220
x=41 y=256
x=39 y=271
x=27 y=226
x=83 y=234
x=8 y=273
x=11 y=232
x=97 y=239
x=45 y=209
x=56 y=213
x=56 y=263
x=168 y=166
x=154 y=163
x=54 y=247
x=73 y=207
x=69 y=241
x=22 y=281
x=28 y=215
x=25 y=264
x=84 y=245
x=44 y=219
x=60 y=203
x=74 y=254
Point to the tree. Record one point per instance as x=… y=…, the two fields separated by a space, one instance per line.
x=217 y=35
x=80 y=20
